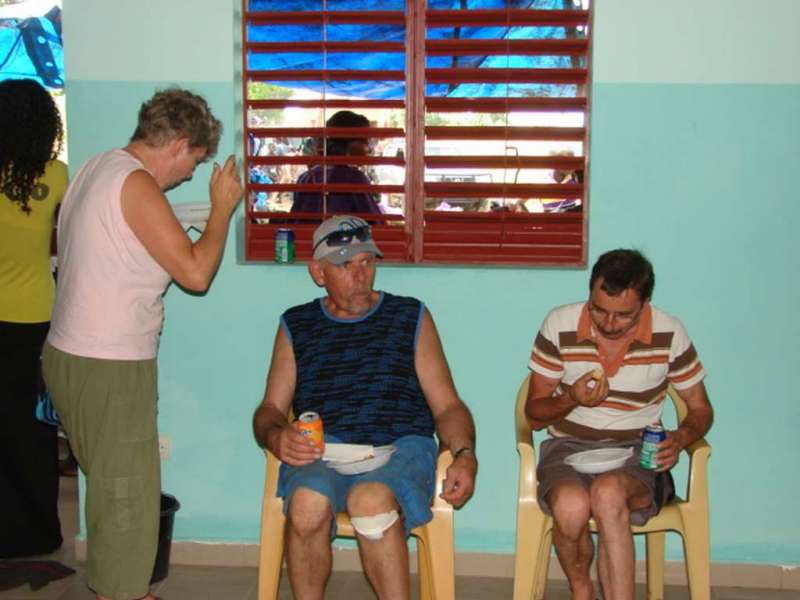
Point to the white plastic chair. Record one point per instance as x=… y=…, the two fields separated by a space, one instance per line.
x=435 y=546
x=689 y=518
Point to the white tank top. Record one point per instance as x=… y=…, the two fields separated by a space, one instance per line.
x=109 y=289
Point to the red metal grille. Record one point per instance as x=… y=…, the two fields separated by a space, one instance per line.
x=423 y=232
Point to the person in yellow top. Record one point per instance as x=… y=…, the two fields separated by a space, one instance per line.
x=32 y=183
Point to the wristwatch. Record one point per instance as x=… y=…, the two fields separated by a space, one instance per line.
x=464 y=450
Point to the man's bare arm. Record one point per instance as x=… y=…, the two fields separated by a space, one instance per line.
x=698 y=420
x=270 y=422
x=454 y=424
x=542 y=408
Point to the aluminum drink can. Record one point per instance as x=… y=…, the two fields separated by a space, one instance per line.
x=284 y=246
x=652 y=436
x=310 y=425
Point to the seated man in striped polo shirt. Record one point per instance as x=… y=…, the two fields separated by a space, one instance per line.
x=600 y=374
x=371 y=365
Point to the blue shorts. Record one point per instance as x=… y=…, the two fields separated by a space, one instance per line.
x=410 y=474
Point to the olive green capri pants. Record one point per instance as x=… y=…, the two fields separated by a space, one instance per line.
x=108 y=409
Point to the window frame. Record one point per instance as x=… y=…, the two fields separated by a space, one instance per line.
x=465 y=238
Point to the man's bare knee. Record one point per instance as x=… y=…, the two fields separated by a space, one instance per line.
x=569 y=503
x=370 y=499
x=309 y=511
x=373 y=509
x=609 y=498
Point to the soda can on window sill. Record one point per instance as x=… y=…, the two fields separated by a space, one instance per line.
x=284 y=246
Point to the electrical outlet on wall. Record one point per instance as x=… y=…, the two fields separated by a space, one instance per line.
x=164 y=447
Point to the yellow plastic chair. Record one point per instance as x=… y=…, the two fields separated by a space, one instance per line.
x=687 y=517
x=435 y=550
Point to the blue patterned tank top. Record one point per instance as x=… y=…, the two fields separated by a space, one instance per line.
x=360 y=375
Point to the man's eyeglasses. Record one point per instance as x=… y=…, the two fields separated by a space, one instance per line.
x=343 y=237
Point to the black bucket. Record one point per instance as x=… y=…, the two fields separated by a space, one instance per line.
x=169 y=506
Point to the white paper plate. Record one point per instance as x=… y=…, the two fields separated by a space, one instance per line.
x=380 y=456
x=342 y=453
x=192 y=214
x=598 y=461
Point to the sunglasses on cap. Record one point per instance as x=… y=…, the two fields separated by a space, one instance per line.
x=343 y=237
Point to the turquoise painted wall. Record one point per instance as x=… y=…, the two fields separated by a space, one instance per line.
x=692 y=160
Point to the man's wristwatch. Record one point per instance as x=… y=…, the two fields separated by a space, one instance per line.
x=464 y=450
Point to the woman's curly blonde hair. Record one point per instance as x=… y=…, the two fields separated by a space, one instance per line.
x=176 y=113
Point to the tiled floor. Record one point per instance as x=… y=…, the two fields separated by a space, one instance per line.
x=218 y=583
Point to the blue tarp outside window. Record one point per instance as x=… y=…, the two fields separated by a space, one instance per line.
x=396 y=61
x=32 y=48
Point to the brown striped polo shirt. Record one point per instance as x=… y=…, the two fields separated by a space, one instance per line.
x=659 y=354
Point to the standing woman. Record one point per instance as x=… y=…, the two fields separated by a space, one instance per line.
x=120 y=246
x=32 y=184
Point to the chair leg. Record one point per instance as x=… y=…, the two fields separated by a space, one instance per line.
x=543 y=567
x=424 y=570
x=435 y=549
x=696 y=546
x=271 y=551
x=654 y=543
x=532 y=529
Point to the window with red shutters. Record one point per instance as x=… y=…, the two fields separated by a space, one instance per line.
x=473 y=149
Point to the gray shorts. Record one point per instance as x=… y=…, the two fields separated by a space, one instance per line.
x=552 y=470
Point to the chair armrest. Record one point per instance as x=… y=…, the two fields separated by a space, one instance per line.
x=697 y=485
x=698 y=446
x=444 y=460
x=525 y=448
x=527 y=472
x=523 y=430
x=271 y=482
x=527 y=459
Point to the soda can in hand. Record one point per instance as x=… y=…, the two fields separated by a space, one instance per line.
x=652 y=436
x=310 y=425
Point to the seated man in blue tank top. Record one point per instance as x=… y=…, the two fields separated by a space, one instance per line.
x=372 y=365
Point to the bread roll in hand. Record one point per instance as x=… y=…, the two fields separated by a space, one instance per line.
x=597 y=375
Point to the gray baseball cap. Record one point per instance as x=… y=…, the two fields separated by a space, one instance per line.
x=340 y=238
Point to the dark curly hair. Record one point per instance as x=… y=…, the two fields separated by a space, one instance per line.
x=31 y=134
